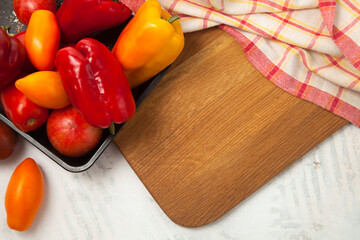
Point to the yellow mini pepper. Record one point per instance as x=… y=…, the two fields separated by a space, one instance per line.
x=150 y=42
x=44 y=88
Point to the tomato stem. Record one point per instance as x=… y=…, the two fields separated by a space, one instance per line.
x=31 y=121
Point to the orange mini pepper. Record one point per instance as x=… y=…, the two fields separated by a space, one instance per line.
x=42 y=39
x=24 y=195
x=151 y=41
x=44 y=88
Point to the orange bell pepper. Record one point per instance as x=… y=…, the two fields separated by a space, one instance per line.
x=44 y=88
x=42 y=39
x=151 y=41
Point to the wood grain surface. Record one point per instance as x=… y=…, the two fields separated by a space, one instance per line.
x=215 y=130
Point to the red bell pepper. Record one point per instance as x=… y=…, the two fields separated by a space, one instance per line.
x=95 y=83
x=82 y=18
x=12 y=57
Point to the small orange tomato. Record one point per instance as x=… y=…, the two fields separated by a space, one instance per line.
x=44 y=88
x=24 y=195
x=42 y=39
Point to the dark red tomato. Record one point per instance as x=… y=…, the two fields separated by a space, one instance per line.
x=27 y=67
x=7 y=141
x=25 y=115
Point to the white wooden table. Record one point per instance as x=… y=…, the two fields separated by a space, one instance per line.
x=316 y=198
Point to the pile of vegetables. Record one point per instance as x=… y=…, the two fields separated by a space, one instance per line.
x=55 y=73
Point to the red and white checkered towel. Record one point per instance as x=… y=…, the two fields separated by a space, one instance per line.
x=309 y=48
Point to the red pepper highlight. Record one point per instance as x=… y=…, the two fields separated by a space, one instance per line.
x=95 y=83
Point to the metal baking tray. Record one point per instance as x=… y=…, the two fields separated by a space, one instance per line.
x=39 y=137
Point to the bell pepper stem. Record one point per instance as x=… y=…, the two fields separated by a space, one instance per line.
x=7 y=30
x=172 y=19
x=112 y=128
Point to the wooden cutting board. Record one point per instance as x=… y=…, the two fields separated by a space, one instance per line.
x=215 y=130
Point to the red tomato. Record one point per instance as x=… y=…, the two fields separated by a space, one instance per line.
x=26 y=115
x=24 y=195
x=24 y=8
x=7 y=140
x=70 y=134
